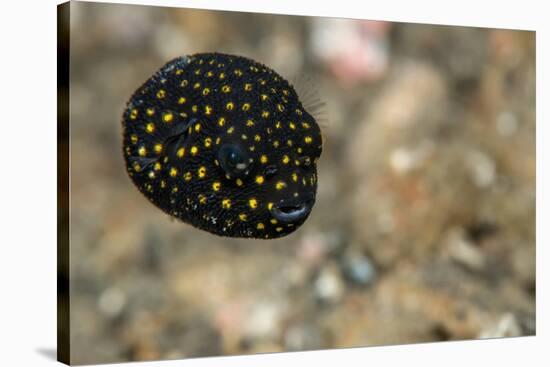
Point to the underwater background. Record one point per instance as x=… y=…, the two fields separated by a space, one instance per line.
x=424 y=224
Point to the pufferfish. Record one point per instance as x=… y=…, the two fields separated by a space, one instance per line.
x=223 y=143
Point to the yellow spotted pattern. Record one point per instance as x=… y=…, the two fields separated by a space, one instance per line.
x=264 y=120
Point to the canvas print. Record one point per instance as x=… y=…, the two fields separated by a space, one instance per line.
x=233 y=183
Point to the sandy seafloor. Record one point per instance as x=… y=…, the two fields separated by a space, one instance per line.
x=424 y=225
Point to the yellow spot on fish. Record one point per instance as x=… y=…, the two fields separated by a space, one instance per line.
x=184 y=83
x=239 y=182
x=280 y=185
x=259 y=180
x=150 y=111
x=248 y=87
x=278 y=125
x=246 y=107
x=137 y=167
x=168 y=117
x=294 y=177
x=151 y=174
x=226 y=89
x=187 y=176
x=202 y=172
x=222 y=76
x=263 y=158
x=173 y=172
x=305 y=125
x=289 y=142
x=269 y=206
x=244 y=137
x=280 y=107
x=202 y=199
x=253 y=203
x=264 y=97
x=194 y=108
x=206 y=91
x=242 y=217
x=265 y=114
x=238 y=72
x=229 y=106
x=260 y=226
x=197 y=85
x=161 y=94
x=142 y=151
x=207 y=110
x=273 y=221
x=150 y=127
x=134 y=139
x=133 y=114
x=249 y=123
x=157 y=166
x=308 y=139
x=157 y=148
x=221 y=121
x=207 y=142
x=279 y=229
x=197 y=127
x=216 y=186
x=181 y=152
x=286 y=159
x=292 y=126
x=194 y=150
x=226 y=203
x=230 y=130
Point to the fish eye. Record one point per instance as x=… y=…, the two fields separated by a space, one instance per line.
x=234 y=160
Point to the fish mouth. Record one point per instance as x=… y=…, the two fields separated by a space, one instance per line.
x=293 y=210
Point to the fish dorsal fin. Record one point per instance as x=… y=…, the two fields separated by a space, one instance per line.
x=307 y=88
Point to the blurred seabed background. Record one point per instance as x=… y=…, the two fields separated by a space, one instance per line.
x=424 y=226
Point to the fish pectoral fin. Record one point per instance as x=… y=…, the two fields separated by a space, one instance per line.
x=177 y=136
x=144 y=162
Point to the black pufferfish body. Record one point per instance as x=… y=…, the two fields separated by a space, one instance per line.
x=223 y=143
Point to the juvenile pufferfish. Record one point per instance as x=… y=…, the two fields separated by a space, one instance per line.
x=223 y=143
